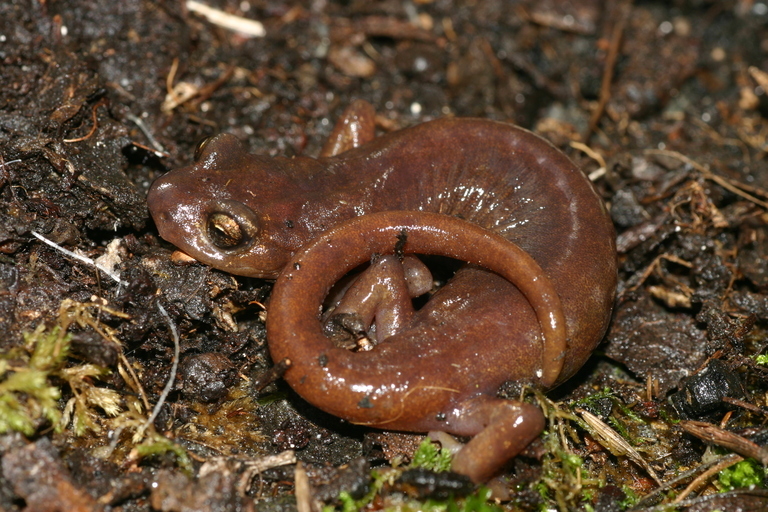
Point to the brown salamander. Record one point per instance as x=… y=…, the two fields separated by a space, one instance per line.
x=531 y=307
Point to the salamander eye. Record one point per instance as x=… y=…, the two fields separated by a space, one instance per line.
x=225 y=232
x=232 y=226
x=201 y=147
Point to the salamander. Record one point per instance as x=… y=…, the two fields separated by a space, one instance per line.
x=530 y=305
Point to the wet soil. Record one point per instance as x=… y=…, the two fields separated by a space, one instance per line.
x=662 y=103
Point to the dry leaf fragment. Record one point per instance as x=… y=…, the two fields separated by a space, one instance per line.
x=613 y=442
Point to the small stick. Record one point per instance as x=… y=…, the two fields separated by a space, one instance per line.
x=171 y=379
x=744 y=405
x=303 y=490
x=271 y=375
x=678 y=479
x=257 y=466
x=78 y=257
x=95 y=123
x=700 y=480
x=709 y=175
x=143 y=127
x=610 y=65
x=245 y=26
x=734 y=442
x=594 y=155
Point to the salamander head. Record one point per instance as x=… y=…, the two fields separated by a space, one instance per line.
x=208 y=210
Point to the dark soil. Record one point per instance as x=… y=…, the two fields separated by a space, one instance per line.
x=663 y=103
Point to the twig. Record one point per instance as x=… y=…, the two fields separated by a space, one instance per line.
x=143 y=127
x=258 y=466
x=720 y=437
x=709 y=175
x=761 y=77
x=744 y=405
x=95 y=126
x=594 y=155
x=302 y=489
x=158 y=154
x=239 y=24
x=723 y=499
x=700 y=480
x=271 y=375
x=78 y=257
x=207 y=91
x=680 y=478
x=610 y=65
x=655 y=264
x=171 y=379
x=171 y=76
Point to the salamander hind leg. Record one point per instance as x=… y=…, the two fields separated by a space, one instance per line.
x=382 y=295
x=503 y=429
x=355 y=127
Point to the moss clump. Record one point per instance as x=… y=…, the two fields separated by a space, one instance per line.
x=29 y=394
x=386 y=494
x=26 y=395
x=157 y=446
x=747 y=473
x=429 y=456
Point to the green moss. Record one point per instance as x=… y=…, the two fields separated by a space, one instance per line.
x=747 y=473
x=157 y=446
x=26 y=395
x=664 y=415
x=29 y=397
x=429 y=456
x=571 y=462
x=348 y=503
x=593 y=398
x=271 y=398
x=631 y=497
x=619 y=427
x=49 y=348
x=566 y=482
x=380 y=480
x=477 y=502
x=386 y=500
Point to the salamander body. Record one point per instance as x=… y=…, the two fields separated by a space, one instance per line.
x=532 y=306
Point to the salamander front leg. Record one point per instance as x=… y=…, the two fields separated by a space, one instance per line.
x=501 y=428
x=381 y=294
